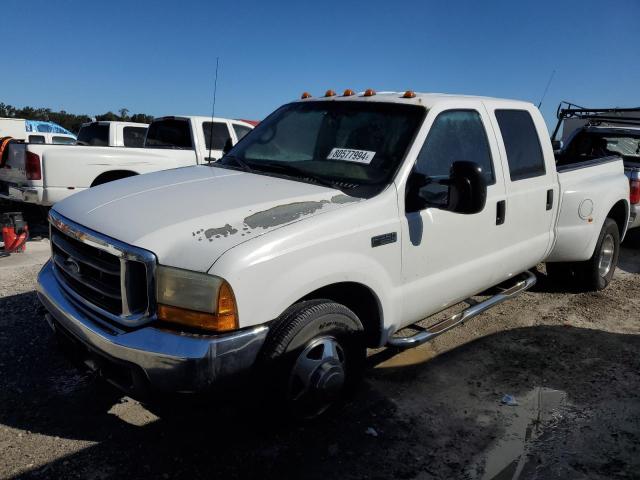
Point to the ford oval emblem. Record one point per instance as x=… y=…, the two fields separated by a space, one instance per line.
x=72 y=265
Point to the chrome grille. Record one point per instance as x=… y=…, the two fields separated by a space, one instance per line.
x=113 y=279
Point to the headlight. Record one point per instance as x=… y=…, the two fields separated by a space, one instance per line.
x=195 y=299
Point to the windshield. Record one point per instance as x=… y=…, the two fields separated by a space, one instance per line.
x=592 y=145
x=348 y=145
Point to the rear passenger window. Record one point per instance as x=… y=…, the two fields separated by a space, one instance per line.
x=455 y=135
x=241 y=130
x=522 y=144
x=219 y=135
x=134 y=136
x=63 y=140
x=36 y=138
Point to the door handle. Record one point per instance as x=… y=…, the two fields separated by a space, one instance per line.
x=501 y=208
x=549 y=199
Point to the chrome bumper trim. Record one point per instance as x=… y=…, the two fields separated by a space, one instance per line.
x=171 y=361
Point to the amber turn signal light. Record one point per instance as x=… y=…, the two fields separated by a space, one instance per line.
x=224 y=320
x=330 y=93
x=369 y=92
x=305 y=95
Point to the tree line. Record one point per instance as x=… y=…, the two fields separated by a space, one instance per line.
x=70 y=121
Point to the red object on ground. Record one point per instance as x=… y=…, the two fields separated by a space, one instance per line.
x=15 y=232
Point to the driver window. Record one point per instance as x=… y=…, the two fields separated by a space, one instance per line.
x=455 y=135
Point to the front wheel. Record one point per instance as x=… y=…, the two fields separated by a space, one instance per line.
x=314 y=352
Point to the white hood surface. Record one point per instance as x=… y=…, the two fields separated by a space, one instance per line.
x=190 y=216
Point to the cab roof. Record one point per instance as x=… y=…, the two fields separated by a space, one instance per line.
x=427 y=100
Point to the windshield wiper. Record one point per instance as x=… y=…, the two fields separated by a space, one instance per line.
x=241 y=163
x=299 y=172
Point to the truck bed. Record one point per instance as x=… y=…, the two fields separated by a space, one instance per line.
x=588 y=189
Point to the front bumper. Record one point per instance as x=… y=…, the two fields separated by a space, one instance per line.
x=149 y=359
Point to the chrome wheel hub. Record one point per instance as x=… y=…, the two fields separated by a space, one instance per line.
x=606 y=255
x=317 y=376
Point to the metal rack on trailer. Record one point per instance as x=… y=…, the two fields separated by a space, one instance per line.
x=595 y=116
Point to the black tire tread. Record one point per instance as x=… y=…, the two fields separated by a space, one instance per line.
x=294 y=318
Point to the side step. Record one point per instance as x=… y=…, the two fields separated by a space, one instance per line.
x=525 y=282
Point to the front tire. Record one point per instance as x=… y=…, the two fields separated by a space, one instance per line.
x=314 y=353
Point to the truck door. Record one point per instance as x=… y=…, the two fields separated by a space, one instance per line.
x=531 y=186
x=448 y=256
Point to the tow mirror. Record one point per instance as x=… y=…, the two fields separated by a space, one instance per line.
x=467 y=188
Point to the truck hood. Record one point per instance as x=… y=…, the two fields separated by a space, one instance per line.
x=190 y=216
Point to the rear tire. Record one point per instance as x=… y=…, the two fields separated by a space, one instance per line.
x=598 y=271
x=314 y=354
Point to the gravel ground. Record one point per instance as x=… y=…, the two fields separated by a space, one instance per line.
x=569 y=360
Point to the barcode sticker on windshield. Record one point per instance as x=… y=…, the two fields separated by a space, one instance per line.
x=350 y=155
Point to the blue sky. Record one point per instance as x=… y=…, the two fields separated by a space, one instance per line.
x=158 y=57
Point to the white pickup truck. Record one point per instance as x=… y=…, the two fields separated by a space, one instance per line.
x=336 y=224
x=45 y=174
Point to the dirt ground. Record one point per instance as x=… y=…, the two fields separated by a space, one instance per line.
x=570 y=361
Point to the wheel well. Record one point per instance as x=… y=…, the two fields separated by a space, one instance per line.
x=359 y=299
x=618 y=214
x=112 y=175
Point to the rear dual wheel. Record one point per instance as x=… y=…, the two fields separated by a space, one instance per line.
x=596 y=273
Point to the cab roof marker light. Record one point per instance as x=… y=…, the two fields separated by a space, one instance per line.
x=369 y=92
x=409 y=94
x=305 y=95
x=330 y=93
x=348 y=93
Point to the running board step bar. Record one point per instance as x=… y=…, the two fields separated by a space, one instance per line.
x=527 y=280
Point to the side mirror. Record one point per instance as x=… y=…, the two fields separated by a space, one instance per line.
x=467 y=188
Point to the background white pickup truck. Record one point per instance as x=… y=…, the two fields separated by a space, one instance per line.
x=45 y=175
x=334 y=225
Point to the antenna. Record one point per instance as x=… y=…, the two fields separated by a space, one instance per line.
x=547 y=87
x=213 y=108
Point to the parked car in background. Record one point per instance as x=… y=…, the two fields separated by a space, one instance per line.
x=44 y=175
x=112 y=134
x=589 y=134
x=336 y=223
x=35 y=131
